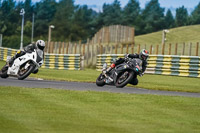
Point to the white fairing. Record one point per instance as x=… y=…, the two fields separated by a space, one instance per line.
x=13 y=70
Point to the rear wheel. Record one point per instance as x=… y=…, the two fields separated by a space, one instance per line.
x=124 y=78
x=100 y=80
x=23 y=73
x=3 y=72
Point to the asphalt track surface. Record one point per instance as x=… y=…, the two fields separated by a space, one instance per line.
x=80 y=86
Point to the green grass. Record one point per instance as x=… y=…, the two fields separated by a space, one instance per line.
x=87 y=75
x=155 y=82
x=180 y=35
x=175 y=35
x=55 y=111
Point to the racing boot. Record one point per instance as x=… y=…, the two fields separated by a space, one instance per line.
x=109 y=79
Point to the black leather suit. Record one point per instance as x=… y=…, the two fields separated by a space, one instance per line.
x=121 y=60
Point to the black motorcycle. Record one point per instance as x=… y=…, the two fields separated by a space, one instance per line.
x=122 y=74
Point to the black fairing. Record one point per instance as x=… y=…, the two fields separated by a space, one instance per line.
x=128 y=65
x=119 y=69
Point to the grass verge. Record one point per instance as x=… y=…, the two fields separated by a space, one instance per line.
x=156 y=82
x=49 y=110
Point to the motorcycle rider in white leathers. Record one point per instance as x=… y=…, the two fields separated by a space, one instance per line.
x=38 y=46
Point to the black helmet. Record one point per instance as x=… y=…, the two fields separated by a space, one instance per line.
x=144 y=54
x=40 y=44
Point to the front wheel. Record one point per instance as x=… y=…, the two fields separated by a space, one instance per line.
x=124 y=78
x=100 y=80
x=25 y=72
x=3 y=72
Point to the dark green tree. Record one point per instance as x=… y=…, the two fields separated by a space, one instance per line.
x=181 y=16
x=28 y=7
x=195 y=15
x=131 y=13
x=44 y=14
x=2 y=22
x=152 y=17
x=63 y=20
x=8 y=17
x=112 y=13
x=10 y=23
x=84 y=22
x=169 y=19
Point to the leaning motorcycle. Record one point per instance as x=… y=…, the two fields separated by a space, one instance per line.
x=122 y=74
x=23 y=66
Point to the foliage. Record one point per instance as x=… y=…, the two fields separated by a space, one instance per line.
x=169 y=19
x=63 y=19
x=181 y=16
x=196 y=15
x=14 y=41
x=44 y=11
x=74 y=22
x=28 y=10
x=153 y=17
x=112 y=14
x=131 y=14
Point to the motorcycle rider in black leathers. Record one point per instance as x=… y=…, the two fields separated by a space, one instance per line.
x=143 y=55
x=38 y=46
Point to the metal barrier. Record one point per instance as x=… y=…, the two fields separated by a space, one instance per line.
x=65 y=61
x=51 y=61
x=188 y=66
x=4 y=52
x=106 y=58
x=174 y=65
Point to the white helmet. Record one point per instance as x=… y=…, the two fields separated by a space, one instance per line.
x=40 y=44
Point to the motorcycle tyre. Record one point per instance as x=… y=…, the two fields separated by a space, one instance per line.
x=131 y=75
x=100 y=82
x=26 y=74
x=3 y=73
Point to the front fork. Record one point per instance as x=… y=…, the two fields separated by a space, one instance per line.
x=108 y=79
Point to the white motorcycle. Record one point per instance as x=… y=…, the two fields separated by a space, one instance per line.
x=23 y=66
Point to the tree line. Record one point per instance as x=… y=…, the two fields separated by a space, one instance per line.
x=75 y=22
